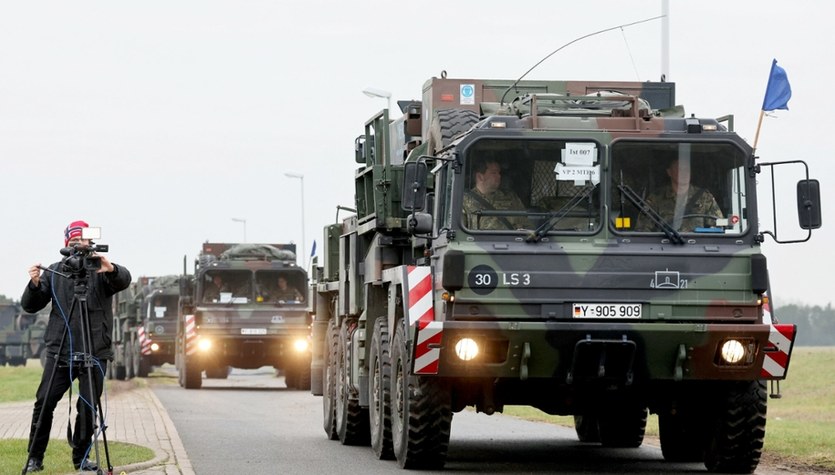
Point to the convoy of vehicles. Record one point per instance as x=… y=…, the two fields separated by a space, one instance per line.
x=144 y=325
x=21 y=334
x=602 y=296
x=245 y=306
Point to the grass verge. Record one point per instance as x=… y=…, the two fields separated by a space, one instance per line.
x=58 y=457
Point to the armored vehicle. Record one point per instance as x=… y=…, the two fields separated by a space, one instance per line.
x=244 y=307
x=21 y=334
x=145 y=321
x=580 y=247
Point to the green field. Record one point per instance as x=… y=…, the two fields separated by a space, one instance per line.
x=800 y=431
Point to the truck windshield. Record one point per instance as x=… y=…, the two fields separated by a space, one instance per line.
x=545 y=185
x=227 y=286
x=163 y=307
x=279 y=287
x=672 y=188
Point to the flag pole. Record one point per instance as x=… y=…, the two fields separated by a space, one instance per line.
x=757 y=135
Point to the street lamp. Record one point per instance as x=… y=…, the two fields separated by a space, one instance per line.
x=301 y=179
x=241 y=220
x=373 y=92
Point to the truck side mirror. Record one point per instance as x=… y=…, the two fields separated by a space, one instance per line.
x=414 y=186
x=808 y=204
x=419 y=223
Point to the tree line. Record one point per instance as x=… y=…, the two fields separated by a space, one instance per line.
x=815 y=325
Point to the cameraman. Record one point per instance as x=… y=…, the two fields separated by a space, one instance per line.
x=43 y=288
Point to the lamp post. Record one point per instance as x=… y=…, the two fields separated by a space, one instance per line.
x=301 y=180
x=241 y=220
x=373 y=92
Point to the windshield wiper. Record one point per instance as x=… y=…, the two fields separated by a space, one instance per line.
x=653 y=215
x=559 y=214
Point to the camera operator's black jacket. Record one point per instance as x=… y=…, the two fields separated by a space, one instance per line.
x=100 y=291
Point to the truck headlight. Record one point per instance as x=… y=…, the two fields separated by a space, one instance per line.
x=466 y=349
x=733 y=351
x=204 y=344
x=300 y=345
x=154 y=347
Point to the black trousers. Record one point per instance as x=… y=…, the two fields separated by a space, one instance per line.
x=47 y=398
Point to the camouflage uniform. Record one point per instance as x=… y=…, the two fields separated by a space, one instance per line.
x=665 y=203
x=498 y=200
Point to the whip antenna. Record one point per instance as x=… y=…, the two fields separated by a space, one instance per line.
x=572 y=42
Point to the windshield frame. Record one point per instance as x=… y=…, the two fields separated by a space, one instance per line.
x=531 y=199
x=736 y=181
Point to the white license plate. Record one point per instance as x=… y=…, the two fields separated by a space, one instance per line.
x=607 y=310
x=253 y=331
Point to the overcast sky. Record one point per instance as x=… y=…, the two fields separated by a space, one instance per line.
x=161 y=121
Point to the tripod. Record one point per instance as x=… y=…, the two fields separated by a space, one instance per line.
x=86 y=364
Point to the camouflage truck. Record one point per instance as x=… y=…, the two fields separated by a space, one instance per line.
x=145 y=321
x=21 y=334
x=536 y=267
x=234 y=313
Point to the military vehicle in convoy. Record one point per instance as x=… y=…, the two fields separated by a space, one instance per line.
x=245 y=307
x=144 y=325
x=21 y=334
x=536 y=243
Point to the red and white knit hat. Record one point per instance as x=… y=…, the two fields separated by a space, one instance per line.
x=74 y=230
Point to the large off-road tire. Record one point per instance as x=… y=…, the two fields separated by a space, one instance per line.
x=448 y=123
x=192 y=375
x=220 y=371
x=421 y=412
x=136 y=362
x=144 y=367
x=351 y=418
x=682 y=436
x=303 y=378
x=623 y=426
x=379 y=396
x=586 y=427
x=329 y=380
x=737 y=430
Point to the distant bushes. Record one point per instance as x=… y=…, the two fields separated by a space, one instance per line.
x=815 y=325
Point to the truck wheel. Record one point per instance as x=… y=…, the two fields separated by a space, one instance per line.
x=120 y=372
x=144 y=367
x=136 y=362
x=623 y=426
x=192 y=375
x=586 y=427
x=736 y=435
x=379 y=396
x=128 y=359
x=682 y=437
x=303 y=381
x=421 y=412
x=329 y=380
x=448 y=123
x=351 y=418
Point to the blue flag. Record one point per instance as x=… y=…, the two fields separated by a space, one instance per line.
x=313 y=249
x=778 y=92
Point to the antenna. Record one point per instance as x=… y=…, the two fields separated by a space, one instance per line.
x=572 y=42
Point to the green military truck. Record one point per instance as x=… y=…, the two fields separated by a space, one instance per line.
x=580 y=247
x=245 y=307
x=21 y=334
x=144 y=326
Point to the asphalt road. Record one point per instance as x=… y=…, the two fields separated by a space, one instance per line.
x=250 y=423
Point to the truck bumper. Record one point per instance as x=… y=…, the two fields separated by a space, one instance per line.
x=622 y=352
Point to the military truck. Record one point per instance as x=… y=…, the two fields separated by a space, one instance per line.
x=510 y=247
x=235 y=313
x=144 y=326
x=21 y=334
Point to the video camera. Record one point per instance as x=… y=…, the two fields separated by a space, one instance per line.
x=79 y=258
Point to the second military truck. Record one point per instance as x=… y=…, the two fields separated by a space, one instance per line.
x=580 y=247
x=244 y=307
